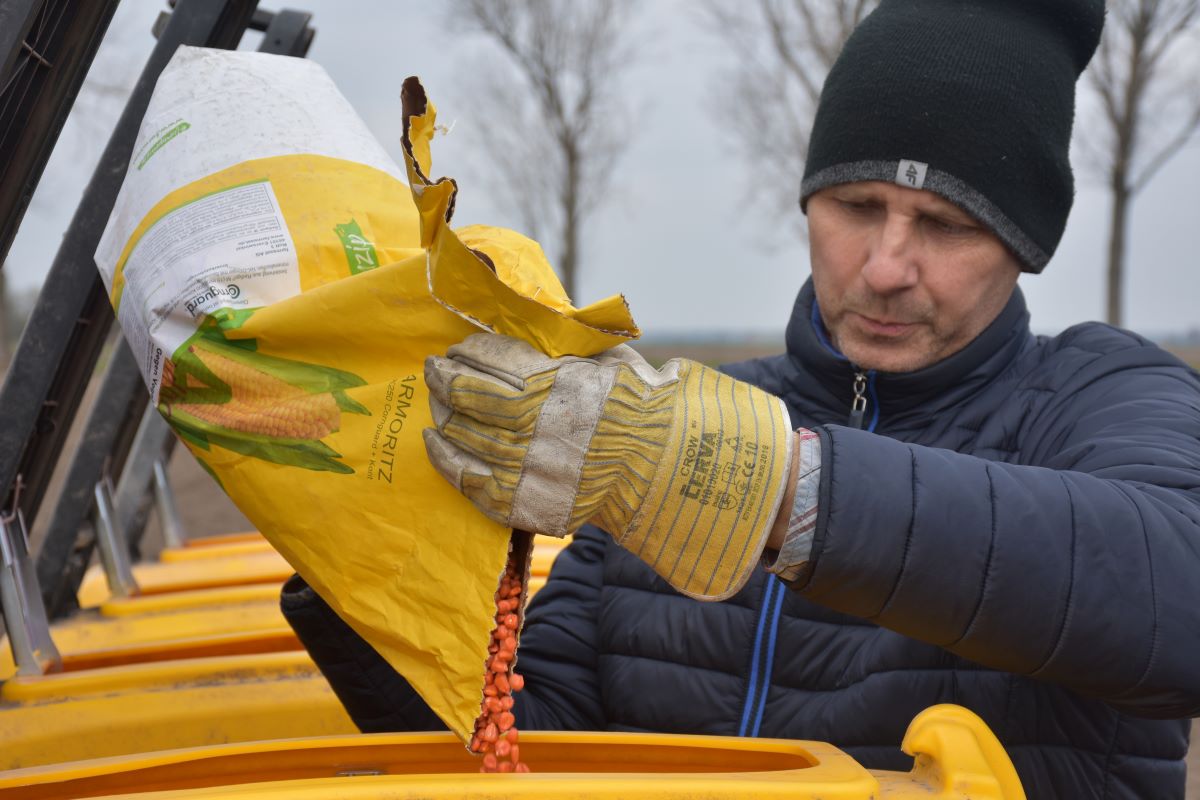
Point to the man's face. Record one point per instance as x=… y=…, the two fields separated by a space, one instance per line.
x=903 y=278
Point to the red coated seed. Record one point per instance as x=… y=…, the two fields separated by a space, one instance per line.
x=495 y=735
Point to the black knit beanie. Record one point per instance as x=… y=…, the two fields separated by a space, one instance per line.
x=970 y=99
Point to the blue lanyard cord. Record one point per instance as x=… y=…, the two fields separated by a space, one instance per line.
x=758 y=636
x=769 y=662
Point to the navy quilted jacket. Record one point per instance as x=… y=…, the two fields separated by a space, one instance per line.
x=1018 y=531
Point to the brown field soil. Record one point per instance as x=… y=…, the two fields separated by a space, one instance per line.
x=1191 y=355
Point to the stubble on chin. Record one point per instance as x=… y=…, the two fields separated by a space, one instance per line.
x=871 y=353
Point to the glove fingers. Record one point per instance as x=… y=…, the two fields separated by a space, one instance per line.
x=464 y=389
x=487 y=442
x=441 y=373
x=499 y=448
x=469 y=475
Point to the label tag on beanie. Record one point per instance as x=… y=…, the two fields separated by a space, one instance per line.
x=911 y=173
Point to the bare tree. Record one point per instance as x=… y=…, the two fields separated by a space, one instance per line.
x=1144 y=77
x=780 y=52
x=554 y=115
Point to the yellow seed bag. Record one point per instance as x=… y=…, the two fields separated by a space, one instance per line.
x=281 y=281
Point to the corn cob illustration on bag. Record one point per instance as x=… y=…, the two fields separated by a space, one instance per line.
x=280 y=281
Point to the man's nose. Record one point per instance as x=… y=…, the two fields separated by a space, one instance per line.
x=892 y=263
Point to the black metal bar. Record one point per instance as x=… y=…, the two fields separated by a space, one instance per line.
x=43 y=71
x=288 y=34
x=16 y=18
x=61 y=342
x=261 y=20
x=67 y=547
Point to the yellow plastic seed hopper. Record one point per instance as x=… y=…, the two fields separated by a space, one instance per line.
x=113 y=711
x=206 y=573
x=174 y=555
x=224 y=538
x=199 y=623
x=197 y=598
x=545 y=550
x=956 y=756
x=236 y=564
x=90 y=639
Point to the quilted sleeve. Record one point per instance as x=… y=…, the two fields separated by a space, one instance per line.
x=1080 y=567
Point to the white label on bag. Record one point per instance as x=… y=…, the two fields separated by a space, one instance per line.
x=230 y=249
x=212 y=109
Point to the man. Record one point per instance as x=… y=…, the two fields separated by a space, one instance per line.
x=949 y=508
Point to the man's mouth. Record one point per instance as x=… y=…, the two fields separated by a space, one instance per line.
x=887 y=328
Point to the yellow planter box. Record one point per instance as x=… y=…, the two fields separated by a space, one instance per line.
x=956 y=756
x=91 y=639
x=196 y=598
x=206 y=573
x=221 y=621
x=225 y=538
x=73 y=716
x=173 y=555
x=242 y=561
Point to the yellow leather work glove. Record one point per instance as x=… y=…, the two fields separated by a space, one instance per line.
x=683 y=466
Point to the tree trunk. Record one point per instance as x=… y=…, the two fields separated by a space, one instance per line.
x=571 y=201
x=1116 y=250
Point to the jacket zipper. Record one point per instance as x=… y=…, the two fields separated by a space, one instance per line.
x=858 y=406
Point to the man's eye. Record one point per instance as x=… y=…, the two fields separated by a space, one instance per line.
x=948 y=228
x=858 y=206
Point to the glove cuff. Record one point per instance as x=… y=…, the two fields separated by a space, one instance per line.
x=717 y=488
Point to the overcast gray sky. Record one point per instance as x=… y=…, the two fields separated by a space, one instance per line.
x=673 y=236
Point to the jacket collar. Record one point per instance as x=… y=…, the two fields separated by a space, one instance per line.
x=943 y=384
